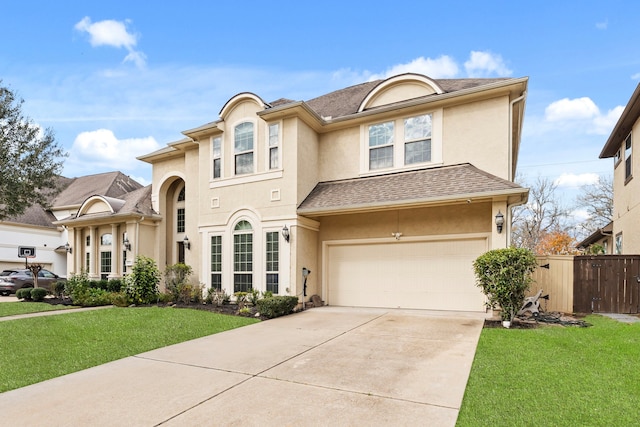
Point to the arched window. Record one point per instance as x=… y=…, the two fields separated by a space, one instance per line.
x=181 y=195
x=242 y=257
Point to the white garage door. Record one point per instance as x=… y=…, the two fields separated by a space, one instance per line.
x=434 y=275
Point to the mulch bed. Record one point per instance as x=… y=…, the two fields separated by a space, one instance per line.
x=530 y=322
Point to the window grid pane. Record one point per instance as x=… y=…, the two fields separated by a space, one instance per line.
x=243 y=137
x=273 y=158
x=243 y=252
x=417 y=152
x=244 y=163
x=381 y=157
x=417 y=137
x=88 y=261
x=180 y=228
x=627 y=157
x=381 y=134
x=242 y=282
x=217 y=153
x=272 y=258
x=105 y=264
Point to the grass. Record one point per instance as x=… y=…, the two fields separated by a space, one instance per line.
x=40 y=348
x=553 y=376
x=17 y=307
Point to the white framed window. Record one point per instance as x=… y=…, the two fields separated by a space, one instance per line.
x=243 y=148
x=618 y=244
x=106 y=239
x=181 y=211
x=403 y=143
x=274 y=146
x=381 y=137
x=272 y=252
x=242 y=257
x=627 y=158
x=417 y=139
x=216 y=262
x=216 y=156
x=105 y=264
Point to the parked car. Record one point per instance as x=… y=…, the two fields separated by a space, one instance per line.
x=12 y=280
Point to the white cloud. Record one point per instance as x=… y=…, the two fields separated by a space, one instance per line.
x=582 y=113
x=636 y=76
x=442 y=67
x=101 y=148
x=484 y=64
x=571 y=109
x=602 y=25
x=571 y=180
x=112 y=33
x=580 y=215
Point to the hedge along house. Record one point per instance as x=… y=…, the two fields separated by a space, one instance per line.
x=385 y=192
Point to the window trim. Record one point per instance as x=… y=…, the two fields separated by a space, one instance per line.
x=617 y=244
x=219 y=264
x=399 y=144
x=219 y=157
x=267 y=261
x=628 y=158
x=269 y=147
x=236 y=153
x=250 y=263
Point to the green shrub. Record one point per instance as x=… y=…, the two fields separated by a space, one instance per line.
x=94 y=297
x=114 y=285
x=38 y=294
x=24 y=293
x=217 y=297
x=99 y=284
x=58 y=288
x=277 y=306
x=119 y=299
x=141 y=286
x=504 y=276
x=241 y=299
x=254 y=296
x=245 y=311
x=164 y=298
x=76 y=287
x=175 y=276
x=267 y=294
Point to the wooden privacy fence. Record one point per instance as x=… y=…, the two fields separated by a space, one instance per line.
x=606 y=284
x=585 y=284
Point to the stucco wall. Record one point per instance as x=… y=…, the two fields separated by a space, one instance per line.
x=477 y=133
x=626 y=202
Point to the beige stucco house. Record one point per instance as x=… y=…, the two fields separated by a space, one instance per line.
x=379 y=195
x=620 y=146
x=51 y=230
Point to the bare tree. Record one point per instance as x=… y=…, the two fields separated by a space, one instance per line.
x=597 y=200
x=543 y=214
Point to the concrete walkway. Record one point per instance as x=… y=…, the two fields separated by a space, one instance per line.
x=325 y=366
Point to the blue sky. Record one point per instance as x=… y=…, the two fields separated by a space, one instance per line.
x=118 y=79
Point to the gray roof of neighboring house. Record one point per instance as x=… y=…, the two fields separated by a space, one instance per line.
x=74 y=191
x=596 y=236
x=405 y=188
x=109 y=184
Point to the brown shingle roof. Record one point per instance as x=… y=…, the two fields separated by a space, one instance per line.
x=405 y=188
x=110 y=184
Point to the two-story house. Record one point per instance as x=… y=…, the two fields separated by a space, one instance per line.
x=626 y=190
x=379 y=195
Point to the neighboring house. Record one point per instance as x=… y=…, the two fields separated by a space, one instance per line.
x=43 y=229
x=621 y=146
x=379 y=195
x=602 y=237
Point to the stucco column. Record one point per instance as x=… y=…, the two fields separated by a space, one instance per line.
x=78 y=250
x=92 y=251
x=115 y=250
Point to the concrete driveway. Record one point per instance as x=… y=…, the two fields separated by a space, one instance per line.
x=324 y=366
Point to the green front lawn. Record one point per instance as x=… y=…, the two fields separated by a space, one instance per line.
x=40 y=348
x=19 y=307
x=555 y=376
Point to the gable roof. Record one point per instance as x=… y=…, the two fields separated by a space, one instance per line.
x=404 y=189
x=606 y=231
x=623 y=127
x=109 y=184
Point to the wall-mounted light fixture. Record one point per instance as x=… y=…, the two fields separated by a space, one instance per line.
x=68 y=248
x=126 y=243
x=396 y=235
x=499 y=221
x=285 y=233
x=187 y=243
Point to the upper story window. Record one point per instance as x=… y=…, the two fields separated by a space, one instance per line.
x=181 y=196
x=417 y=139
x=381 y=145
x=88 y=241
x=217 y=156
x=399 y=143
x=243 y=148
x=627 y=158
x=180 y=211
x=274 y=144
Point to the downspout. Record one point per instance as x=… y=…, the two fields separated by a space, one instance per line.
x=511 y=172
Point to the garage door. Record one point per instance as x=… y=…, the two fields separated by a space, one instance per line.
x=434 y=275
